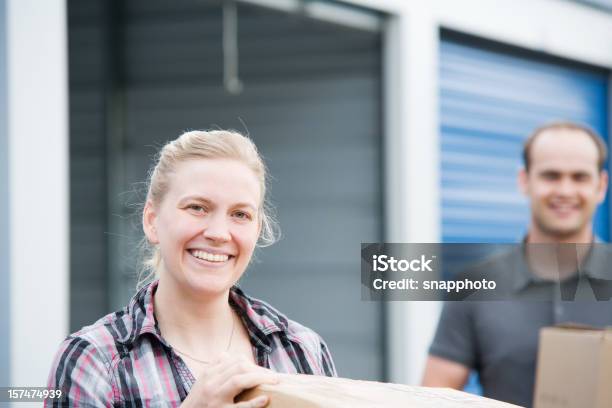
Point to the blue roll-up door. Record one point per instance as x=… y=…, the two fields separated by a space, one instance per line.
x=490 y=101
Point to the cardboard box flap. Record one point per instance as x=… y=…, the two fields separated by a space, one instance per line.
x=604 y=396
x=307 y=391
x=574 y=352
x=578 y=327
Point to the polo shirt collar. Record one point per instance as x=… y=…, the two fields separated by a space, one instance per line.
x=595 y=265
x=522 y=275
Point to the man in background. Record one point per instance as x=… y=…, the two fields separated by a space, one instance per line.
x=565 y=180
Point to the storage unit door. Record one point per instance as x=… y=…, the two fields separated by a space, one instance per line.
x=311 y=101
x=490 y=100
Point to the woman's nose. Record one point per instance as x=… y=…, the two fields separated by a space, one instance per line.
x=217 y=229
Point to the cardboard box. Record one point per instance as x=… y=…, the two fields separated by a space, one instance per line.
x=308 y=391
x=574 y=368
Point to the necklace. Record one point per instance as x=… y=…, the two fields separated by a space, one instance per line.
x=229 y=345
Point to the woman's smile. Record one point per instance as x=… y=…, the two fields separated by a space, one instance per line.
x=207 y=225
x=209 y=258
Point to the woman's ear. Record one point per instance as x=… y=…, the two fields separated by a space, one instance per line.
x=149 y=216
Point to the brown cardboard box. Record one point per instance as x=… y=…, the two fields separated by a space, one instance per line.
x=308 y=391
x=574 y=368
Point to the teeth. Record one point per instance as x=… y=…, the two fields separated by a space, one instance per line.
x=210 y=257
x=563 y=206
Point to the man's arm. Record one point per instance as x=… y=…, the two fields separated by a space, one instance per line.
x=454 y=350
x=440 y=372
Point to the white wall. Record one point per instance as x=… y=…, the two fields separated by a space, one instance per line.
x=38 y=185
x=5 y=316
x=411 y=174
x=556 y=27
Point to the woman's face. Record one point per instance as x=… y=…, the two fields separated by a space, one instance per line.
x=207 y=224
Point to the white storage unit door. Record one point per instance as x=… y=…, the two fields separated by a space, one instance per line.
x=491 y=98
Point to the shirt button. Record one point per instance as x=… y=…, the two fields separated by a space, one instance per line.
x=558 y=312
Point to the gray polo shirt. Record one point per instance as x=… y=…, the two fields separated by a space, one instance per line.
x=499 y=339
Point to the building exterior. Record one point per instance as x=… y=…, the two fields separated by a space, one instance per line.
x=416 y=83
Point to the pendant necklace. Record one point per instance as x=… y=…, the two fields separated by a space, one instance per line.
x=229 y=345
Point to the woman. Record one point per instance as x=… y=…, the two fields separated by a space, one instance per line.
x=191 y=337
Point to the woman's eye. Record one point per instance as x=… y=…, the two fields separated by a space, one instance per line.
x=242 y=215
x=197 y=208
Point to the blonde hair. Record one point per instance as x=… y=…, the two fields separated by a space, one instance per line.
x=195 y=145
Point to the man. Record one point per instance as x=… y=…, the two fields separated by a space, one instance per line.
x=564 y=180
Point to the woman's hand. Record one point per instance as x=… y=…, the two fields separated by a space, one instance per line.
x=223 y=380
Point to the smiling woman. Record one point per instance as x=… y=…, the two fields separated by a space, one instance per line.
x=190 y=336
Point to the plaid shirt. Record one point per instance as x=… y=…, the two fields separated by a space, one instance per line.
x=122 y=359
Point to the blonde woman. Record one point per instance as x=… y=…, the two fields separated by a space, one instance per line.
x=191 y=337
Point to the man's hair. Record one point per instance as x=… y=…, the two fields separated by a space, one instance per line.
x=602 y=149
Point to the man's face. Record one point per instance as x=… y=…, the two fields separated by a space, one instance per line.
x=563 y=184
